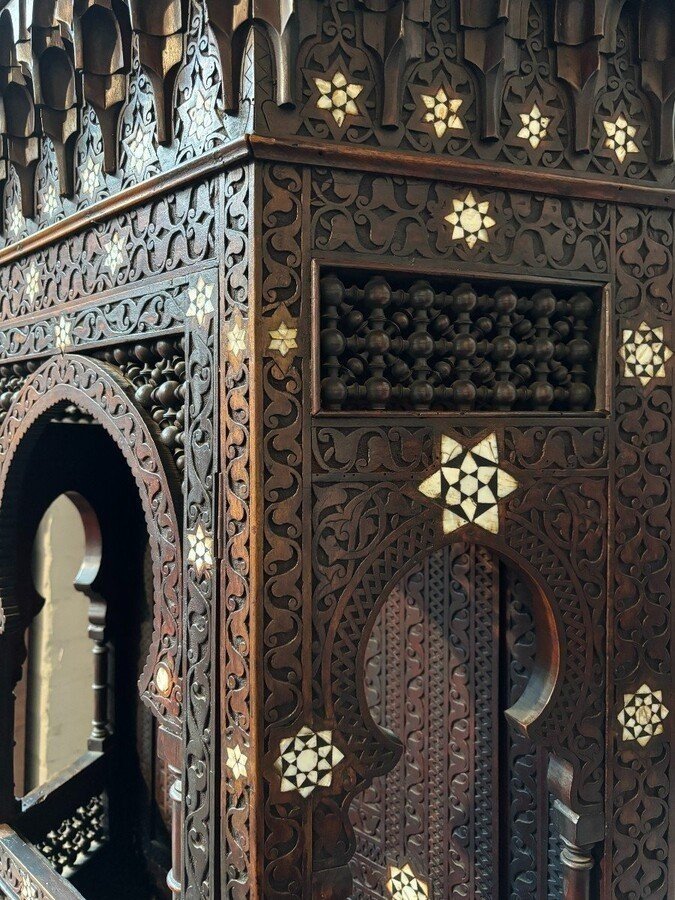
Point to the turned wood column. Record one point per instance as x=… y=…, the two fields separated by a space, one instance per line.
x=100 y=723
x=577 y=864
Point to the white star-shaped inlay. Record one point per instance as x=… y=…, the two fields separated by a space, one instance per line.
x=200 y=305
x=403 y=884
x=307 y=760
x=644 y=353
x=236 y=761
x=283 y=339
x=236 y=337
x=115 y=254
x=62 y=334
x=471 y=220
x=140 y=151
x=338 y=96
x=15 y=221
x=201 y=114
x=50 y=201
x=442 y=111
x=642 y=715
x=89 y=177
x=470 y=484
x=200 y=554
x=32 y=281
x=535 y=126
x=620 y=134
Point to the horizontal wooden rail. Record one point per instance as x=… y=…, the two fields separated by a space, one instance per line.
x=22 y=866
x=45 y=808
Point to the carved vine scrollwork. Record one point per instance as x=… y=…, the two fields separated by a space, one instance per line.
x=376 y=214
x=121 y=319
x=236 y=704
x=286 y=592
x=176 y=230
x=641 y=776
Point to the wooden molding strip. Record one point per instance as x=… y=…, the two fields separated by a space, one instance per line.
x=368 y=159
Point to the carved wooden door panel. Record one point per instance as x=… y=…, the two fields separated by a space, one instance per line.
x=466 y=805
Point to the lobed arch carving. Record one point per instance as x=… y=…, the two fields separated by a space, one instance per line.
x=99 y=391
x=351 y=590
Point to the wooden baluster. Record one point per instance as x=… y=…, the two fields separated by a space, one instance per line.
x=577 y=864
x=100 y=724
x=173 y=879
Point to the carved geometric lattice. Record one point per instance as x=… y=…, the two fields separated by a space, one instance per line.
x=474 y=346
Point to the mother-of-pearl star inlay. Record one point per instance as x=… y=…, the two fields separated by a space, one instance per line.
x=642 y=715
x=403 y=884
x=470 y=483
x=470 y=220
x=644 y=353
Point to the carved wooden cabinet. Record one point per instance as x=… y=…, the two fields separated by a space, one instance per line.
x=348 y=325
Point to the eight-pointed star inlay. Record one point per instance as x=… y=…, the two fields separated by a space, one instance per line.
x=644 y=353
x=307 y=760
x=403 y=884
x=642 y=715
x=470 y=484
x=470 y=220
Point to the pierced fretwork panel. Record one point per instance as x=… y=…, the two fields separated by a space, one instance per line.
x=465 y=807
x=467 y=346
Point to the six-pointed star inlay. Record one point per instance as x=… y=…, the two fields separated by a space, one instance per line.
x=403 y=884
x=470 y=484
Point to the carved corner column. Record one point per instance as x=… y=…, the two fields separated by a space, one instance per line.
x=278 y=757
x=580 y=831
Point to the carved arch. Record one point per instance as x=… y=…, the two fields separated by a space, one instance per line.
x=103 y=55
x=364 y=595
x=19 y=125
x=160 y=29
x=98 y=390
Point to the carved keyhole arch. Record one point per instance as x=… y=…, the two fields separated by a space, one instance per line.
x=400 y=537
x=451 y=649
x=102 y=393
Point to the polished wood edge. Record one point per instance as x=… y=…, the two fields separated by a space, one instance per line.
x=366 y=159
x=417 y=165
